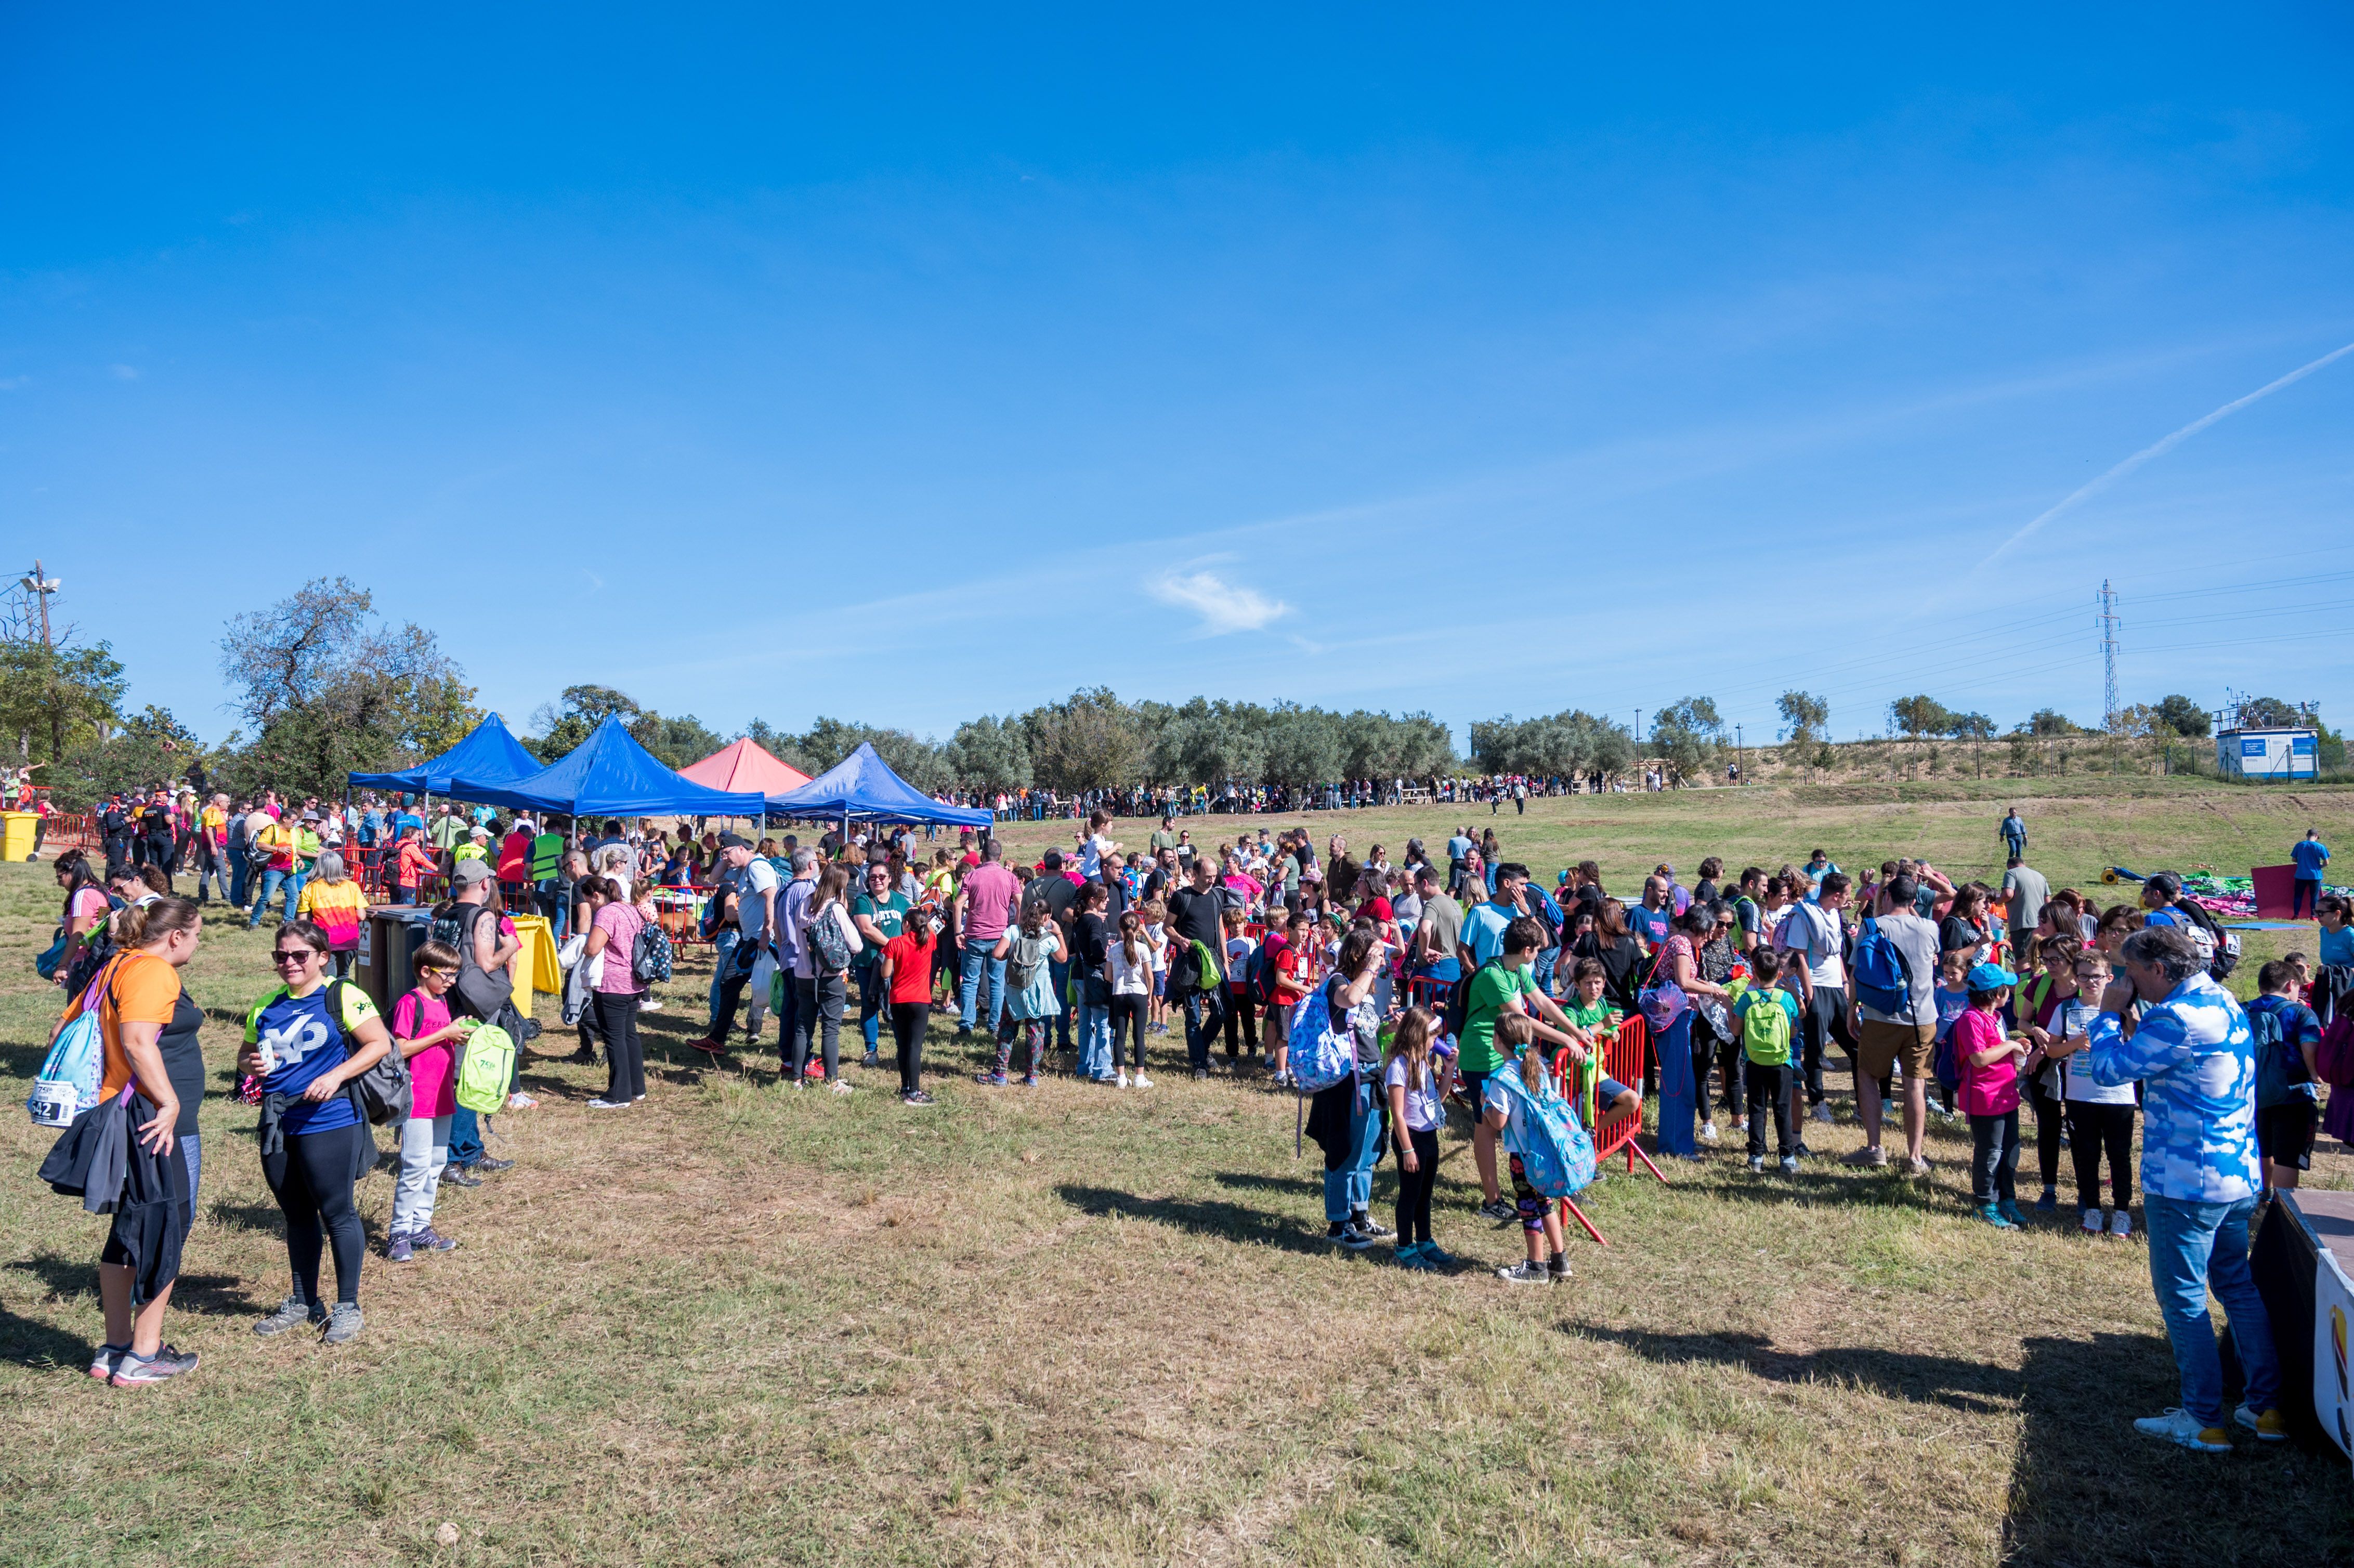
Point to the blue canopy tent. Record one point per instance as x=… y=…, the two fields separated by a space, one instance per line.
x=488 y=758
x=861 y=787
x=611 y=775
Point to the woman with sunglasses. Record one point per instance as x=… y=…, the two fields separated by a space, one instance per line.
x=305 y=1039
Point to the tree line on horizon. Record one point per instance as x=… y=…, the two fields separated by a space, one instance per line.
x=324 y=687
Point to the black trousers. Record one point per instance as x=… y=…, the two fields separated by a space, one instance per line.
x=1242 y=1018
x=625 y=1056
x=908 y=1020
x=1769 y=1086
x=2051 y=1120
x=1413 y=1189
x=2097 y=1129
x=311 y=1177
x=1710 y=1053
x=1825 y=1020
x=740 y=959
x=1128 y=1014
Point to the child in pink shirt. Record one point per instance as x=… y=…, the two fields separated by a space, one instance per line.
x=1987 y=1060
x=425 y=1036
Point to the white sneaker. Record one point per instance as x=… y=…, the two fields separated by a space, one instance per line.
x=601 y=1103
x=839 y=1087
x=1123 y=1080
x=2093 y=1221
x=2181 y=1428
x=650 y=1005
x=2120 y=1223
x=1143 y=1081
x=521 y=1102
x=1708 y=1132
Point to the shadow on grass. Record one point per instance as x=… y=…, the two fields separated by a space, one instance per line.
x=66 y=1278
x=1973 y=1386
x=1207 y=1217
x=2087 y=1489
x=29 y=1342
x=265 y=1218
x=22 y=1060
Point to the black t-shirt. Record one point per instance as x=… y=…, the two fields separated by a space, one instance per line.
x=1954 y=932
x=184 y=1062
x=1116 y=901
x=1157 y=881
x=1087 y=942
x=1196 y=916
x=158 y=822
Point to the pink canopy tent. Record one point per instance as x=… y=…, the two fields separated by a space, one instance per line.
x=744 y=766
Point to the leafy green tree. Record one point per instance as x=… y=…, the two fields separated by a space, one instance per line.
x=2270 y=713
x=55 y=699
x=1919 y=717
x=1969 y=726
x=2047 y=723
x=989 y=754
x=2184 y=717
x=1303 y=746
x=1689 y=734
x=1090 y=741
x=1805 y=719
x=330 y=689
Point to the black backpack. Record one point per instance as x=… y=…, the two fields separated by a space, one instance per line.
x=1458 y=1011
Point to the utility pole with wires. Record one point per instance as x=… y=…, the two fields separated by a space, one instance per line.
x=2108 y=623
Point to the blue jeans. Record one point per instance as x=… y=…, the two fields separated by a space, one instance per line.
x=1206 y=1015
x=239 y=868
x=977 y=963
x=271 y=881
x=466 y=1138
x=1061 y=970
x=2196 y=1247
x=2304 y=897
x=870 y=1004
x=723 y=947
x=2017 y=846
x=1095 y=1041
x=1348 y=1187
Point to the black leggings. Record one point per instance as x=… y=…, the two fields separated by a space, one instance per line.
x=907 y=1022
x=1413 y=1189
x=1128 y=1012
x=2094 y=1129
x=625 y=1054
x=311 y=1177
x=1710 y=1053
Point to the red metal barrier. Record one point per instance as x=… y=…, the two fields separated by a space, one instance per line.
x=71 y=830
x=1622 y=1059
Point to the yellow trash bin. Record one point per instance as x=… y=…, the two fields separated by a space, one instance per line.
x=16 y=836
x=536 y=971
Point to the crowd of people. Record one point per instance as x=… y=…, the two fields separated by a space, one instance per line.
x=1455 y=976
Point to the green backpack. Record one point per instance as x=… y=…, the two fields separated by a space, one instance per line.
x=485 y=1067
x=1766 y=1030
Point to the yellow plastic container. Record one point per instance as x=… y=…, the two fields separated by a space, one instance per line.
x=537 y=971
x=16 y=836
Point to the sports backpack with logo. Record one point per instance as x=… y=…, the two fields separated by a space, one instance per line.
x=1883 y=980
x=70 y=1076
x=1556 y=1153
x=1765 y=1031
x=485 y=1067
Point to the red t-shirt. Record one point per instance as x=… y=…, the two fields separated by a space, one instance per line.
x=911 y=968
x=1377 y=909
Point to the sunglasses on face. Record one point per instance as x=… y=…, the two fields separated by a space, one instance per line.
x=292 y=956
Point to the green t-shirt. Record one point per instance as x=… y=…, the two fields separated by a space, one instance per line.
x=889 y=914
x=1588 y=1018
x=1491 y=987
x=1163 y=839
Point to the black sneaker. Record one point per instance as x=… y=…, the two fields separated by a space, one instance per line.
x=1361 y=1233
x=1371 y=1226
x=870 y=1060
x=915 y=1097
x=1501 y=1209
x=1346 y=1234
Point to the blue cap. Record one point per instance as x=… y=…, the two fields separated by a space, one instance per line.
x=1990 y=977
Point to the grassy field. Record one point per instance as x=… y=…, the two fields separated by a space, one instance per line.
x=1073 y=1325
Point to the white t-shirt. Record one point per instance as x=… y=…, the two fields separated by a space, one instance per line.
x=1239 y=956
x=2069 y=1020
x=1157 y=938
x=1813 y=933
x=1423 y=1111
x=1091 y=857
x=1125 y=980
x=751 y=907
x=1916 y=939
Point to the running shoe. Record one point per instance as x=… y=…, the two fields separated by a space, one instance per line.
x=398 y=1250
x=2185 y=1430
x=431 y=1240
x=1347 y=1235
x=101 y=1365
x=2267 y=1427
x=601 y=1103
x=290 y=1312
x=343 y=1324
x=994 y=1080
x=915 y=1097
x=141 y=1371
x=1500 y=1210
x=1143 y=1081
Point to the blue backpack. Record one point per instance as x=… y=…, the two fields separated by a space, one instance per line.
x=72 y=1075
x=1883 y=980
x=2280 y=1066
x=1321 y=1055
x=1559 y=1157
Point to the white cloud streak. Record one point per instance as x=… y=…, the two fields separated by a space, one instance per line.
x=2157 y=450
x=1223 y=606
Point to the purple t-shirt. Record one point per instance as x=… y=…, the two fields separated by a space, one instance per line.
x=992 y=898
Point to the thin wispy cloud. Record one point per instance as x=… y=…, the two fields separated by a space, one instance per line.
x=2157 y=449
x=1223 y=606
x=124 y=372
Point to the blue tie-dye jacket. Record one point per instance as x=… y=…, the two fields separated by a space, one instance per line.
x=2197 y=1063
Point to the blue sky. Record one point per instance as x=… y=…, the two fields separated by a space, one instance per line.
x=786 y=365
